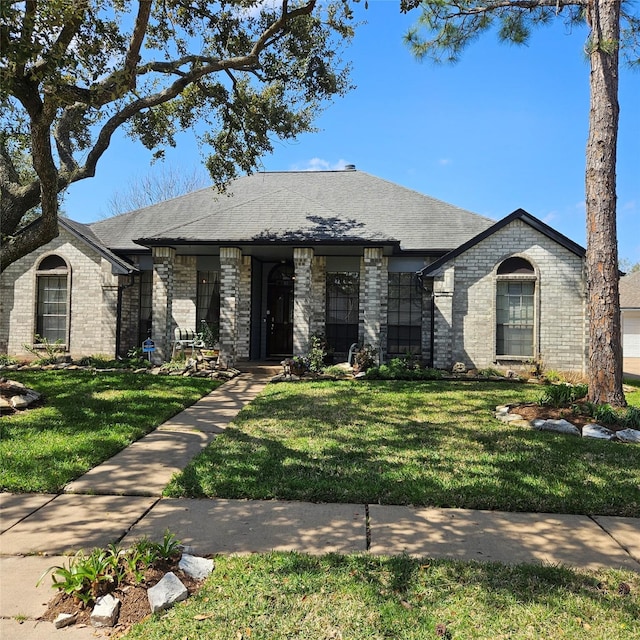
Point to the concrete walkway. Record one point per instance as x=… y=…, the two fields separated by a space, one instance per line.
x=120 y=501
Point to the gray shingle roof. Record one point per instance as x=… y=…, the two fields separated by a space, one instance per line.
x=630 y=291
x=85 y=234
x=321 y=206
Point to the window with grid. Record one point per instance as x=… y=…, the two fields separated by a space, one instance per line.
x=342 y=310
x=145 y=312
x=208 y=300
x=515 y=315
x=52 y=319
x=404 y=315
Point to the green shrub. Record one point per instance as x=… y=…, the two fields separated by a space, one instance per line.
x=46 y=352
x=87 y=577
x=562 y=395
x=365 y=357
x=605 y=414
x=631 y=417
x=7 y=360
x=317 y=354
x=401 y=369
x=490 y=372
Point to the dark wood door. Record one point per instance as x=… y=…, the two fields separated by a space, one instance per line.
x=280 y=311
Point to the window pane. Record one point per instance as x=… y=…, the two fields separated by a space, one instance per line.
x=342 y=310
x=515 y=318
x=208 y=298
x=404 y=315
x=52 y=308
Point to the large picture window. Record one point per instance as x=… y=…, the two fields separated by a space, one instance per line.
x=342 y=310
x=52 y=316
x=208 y=301
x=146 y=306
x=515 y=309
x=404 y=315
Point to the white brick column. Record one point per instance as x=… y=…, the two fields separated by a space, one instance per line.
x=230 y=269
x=162 y=300
x=318 y=295
x=373 y=296
x=244 y=311
x=302 y=299
x=443 y=287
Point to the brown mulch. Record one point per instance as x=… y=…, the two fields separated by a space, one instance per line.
x=134 y=604
x=534 y=411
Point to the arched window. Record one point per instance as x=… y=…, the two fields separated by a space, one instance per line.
x=52 y=308
x=515 y=309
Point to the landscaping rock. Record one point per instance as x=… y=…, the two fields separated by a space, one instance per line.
x=195 y=566
x=166 y=593
x=64 y=620
x=105 y=612
x=597 y=431
x=557 y=426
x=459 y=367
x=24 y=400
x=629 y=435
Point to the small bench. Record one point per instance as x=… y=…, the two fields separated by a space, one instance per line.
x=186 y=338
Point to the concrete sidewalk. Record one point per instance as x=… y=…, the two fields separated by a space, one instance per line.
x=121 y=501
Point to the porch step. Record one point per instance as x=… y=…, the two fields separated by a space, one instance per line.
x=266 y=369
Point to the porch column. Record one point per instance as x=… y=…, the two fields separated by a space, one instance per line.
x=244 y=310
x=443 y=287
x=373 y=296
x=319 y=295
x=302 y=300
x=162 y=301
x=230 y=267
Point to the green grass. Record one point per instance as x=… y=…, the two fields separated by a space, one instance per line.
x=86 y=418
x=277 y=596
x=433 y=443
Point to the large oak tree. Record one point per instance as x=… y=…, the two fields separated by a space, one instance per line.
x=73 y=72
x=442 y=31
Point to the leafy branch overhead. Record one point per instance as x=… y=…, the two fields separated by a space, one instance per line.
x=452 y=24
x=244 y=72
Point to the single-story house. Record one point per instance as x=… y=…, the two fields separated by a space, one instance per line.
x=289 y=255
x=630 y=310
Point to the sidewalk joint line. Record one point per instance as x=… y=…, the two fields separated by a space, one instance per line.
x=637 y=560
x=367 y=527
x=142 y=515
x=31 y=513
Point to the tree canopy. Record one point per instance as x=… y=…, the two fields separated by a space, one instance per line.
x=445 y=27
x=75 y=71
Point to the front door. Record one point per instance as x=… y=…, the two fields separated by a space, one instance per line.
x=280 y=311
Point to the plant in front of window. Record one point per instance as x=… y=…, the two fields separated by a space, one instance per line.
x=46 y=352
x=210 y=334
x=299 y=365
x=365 y=358
x=317 y=354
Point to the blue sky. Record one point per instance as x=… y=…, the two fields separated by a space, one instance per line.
x=504 y=128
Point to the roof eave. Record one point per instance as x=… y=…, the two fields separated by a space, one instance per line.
x=518 y=214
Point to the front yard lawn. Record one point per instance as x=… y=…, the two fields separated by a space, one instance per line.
x=85 y=419
x=283 y=596
x=431 y=443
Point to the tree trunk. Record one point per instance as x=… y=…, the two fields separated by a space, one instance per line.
x=605 y=347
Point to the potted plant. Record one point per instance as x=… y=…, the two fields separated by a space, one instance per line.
x=364 y=358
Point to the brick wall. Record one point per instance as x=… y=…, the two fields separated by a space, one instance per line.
x=230 y=267
x=302 y=301
x=373 y=297
x=164 y=259
x=560 y=326
x=93 y=299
